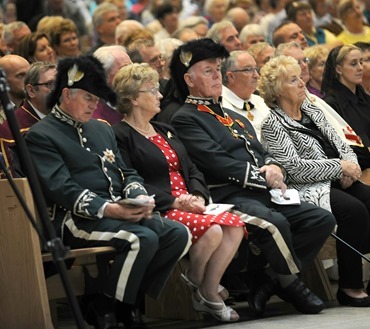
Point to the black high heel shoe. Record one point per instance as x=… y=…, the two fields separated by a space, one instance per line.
x=346 y=300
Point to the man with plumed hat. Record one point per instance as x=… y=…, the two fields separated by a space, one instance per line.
x=86 y=183
x=224 y=146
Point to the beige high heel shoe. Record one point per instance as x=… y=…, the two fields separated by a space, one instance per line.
x=219 y=311
x=222 y=291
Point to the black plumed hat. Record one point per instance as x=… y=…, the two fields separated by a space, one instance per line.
x=189 y=54
x=83 y=72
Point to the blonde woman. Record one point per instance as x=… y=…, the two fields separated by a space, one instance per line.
x=320 y=166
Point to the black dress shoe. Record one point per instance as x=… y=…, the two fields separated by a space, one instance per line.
x=346 y=300
x=258 y=298
x=301 y=297
x=130 y=316
x=100 y=321
x=137 y=320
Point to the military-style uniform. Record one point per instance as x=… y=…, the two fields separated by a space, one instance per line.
x=26 y=117
x=80 y=169
x=225 y=148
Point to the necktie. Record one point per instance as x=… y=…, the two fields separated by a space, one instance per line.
x=248 y=106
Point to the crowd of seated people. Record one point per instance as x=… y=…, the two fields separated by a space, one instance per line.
x=193 y=101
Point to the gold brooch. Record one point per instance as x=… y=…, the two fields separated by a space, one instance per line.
x=74 y=75
x=185 y=57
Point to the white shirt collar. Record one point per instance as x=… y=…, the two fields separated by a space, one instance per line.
x=234 y=99
x=40 y=114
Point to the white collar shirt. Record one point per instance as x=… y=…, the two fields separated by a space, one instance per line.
x=260 y=111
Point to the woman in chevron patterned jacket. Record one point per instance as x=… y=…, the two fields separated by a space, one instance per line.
x=320 y=166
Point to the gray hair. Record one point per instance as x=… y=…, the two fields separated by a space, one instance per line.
x=167 y=45
x=106 y=56
x=229 y=64
x=193 y=21
x=250 y=30
x=8 y=31
x=280 y=50
x=104 y=7
x=209 y=4
x=214 y=32
x=257 y=48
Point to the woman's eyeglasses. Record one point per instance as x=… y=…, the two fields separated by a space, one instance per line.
x=154 y=91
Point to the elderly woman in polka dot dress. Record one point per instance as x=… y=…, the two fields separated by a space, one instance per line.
x=153 y=149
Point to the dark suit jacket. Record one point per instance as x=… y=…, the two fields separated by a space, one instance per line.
x=355 y=109
x=79 y=166
x=230 y=165
x=140 y=153
x=26 y=117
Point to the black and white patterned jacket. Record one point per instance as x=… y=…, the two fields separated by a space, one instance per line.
x=300 y=152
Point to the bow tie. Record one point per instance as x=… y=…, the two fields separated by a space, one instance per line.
x=248 y=106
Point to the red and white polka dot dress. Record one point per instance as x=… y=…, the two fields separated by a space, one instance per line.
x=197 y=223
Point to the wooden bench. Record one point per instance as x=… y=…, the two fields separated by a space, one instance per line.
x=175 y=300
x=24 y=292
x=27 y=298
x=316 y=278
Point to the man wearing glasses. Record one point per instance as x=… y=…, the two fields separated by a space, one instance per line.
x=145 y=51
x=239 y=79
x=38 y=82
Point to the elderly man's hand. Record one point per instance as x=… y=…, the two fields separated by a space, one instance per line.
x=274 y=177
x=127 y=212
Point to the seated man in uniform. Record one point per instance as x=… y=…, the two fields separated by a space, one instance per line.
x=224 y=146
x=86 y=184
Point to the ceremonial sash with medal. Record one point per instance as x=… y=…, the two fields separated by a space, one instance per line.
x=227 y=121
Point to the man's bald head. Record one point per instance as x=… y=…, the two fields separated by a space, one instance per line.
x=15 y=68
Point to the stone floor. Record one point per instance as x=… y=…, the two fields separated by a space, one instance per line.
x=279 y=315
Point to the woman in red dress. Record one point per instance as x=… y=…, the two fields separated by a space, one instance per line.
x=153 y=149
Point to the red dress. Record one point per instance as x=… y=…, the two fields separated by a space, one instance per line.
x=197 y=223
